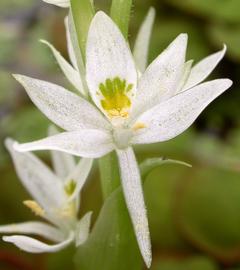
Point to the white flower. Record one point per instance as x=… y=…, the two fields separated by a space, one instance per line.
x=59 y=3
x=126 y=109
x=54 y=199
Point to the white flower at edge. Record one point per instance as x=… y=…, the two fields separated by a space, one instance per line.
x=126 y=109
x=54 y=199
x=59 y=3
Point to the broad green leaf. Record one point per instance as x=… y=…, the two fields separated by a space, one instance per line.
x=208 y=212
x=109 y=172
x=191 y=263
x=112 y=244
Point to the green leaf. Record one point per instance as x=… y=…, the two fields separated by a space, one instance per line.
x=192 y=263
x=152 y=163
x=112 y=244
x=208 y=212
x=120 y=13
x=109 y=172
x=83 y=12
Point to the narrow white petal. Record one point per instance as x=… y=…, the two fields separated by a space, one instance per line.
x=80 y=175
x=63 y=163
x=37 y=178
x=201 y=70
x=71 y=74
x=59 y=3
x=36 y=228
x=141 y=47
x=172 y=117
x=162 y=77
x=89 y=143
x=70 y=46
x=83 y=228
x=185 y=75
x=132 y=188
x=107 y=56
x=74 y=50
x=64 y=108
x=35 y=246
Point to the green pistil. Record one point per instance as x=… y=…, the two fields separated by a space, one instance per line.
x=115 y=101
x=70 y=187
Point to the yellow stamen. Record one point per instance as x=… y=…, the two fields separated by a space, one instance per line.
x=35 y=207
x=116 y=99
x=138 y=126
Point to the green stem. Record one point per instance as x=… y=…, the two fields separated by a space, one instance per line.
x=82 y=12
x=120 y=13
x=109 y=172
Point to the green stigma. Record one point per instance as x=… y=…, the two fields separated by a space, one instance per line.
x=70 y=187
x=115 y=102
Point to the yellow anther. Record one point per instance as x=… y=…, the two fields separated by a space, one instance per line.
x=138 y=126
x=35 y=207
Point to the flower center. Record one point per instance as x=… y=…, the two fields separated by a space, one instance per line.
x=116 y=101
x=122 y=137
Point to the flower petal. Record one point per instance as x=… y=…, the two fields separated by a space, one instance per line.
x=71 y=74
x=201 y=70
x=185 y=75
x=35 y=246
x=74 y=50
x=133 y=193
x=83 y=228
x=172 y=117
x=108 y=57
x=37 y=178
x=64 y=108
x=60 y=3
x=141 y=47
x=162 y=77
x=79 y=175
x=37 y=228
x=89 y=143
x=70 y=46
x=63 y=163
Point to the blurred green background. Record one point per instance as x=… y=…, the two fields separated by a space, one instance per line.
x=194 y=212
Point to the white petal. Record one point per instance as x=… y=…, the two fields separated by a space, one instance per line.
x=141 y=47
x=74 y=50
x=35 y=246
x=89 y=143
x=185 y=75
x=79 y=175
x=63 y=163
x=83 y=228
x=64 y=108
x=172 y=117
x=37 y=228
x=60 y=3
x=37 y=178
x=201 y=70
x=70 y=46
x=107 y=56
x=162 y=77
x=132 y=188
x=71 y=74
